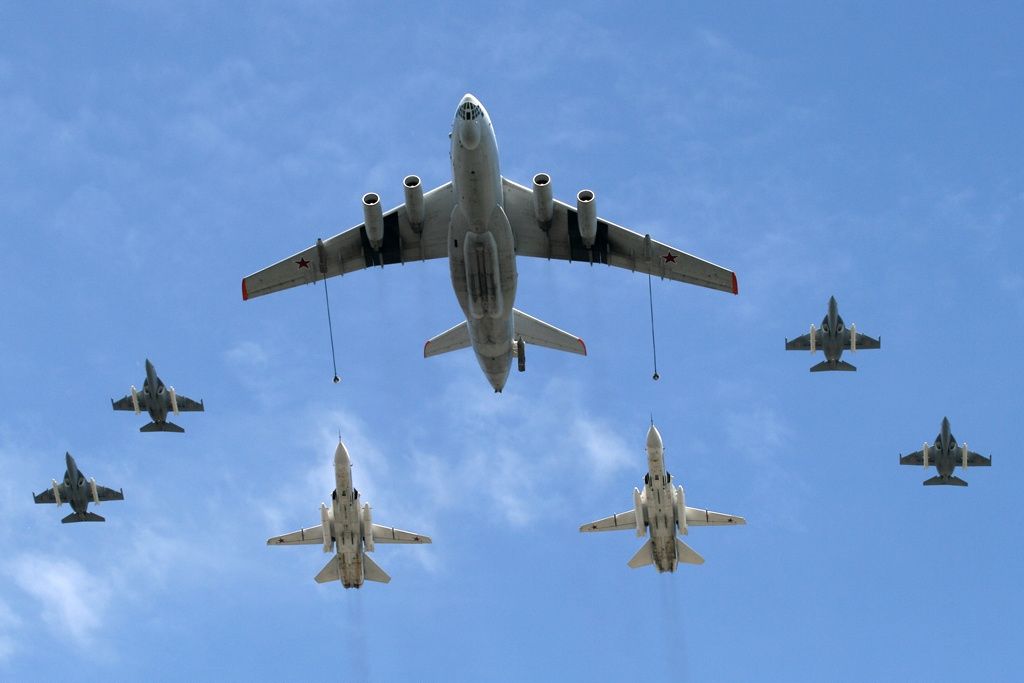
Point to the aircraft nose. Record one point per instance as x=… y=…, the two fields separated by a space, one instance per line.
x=68 y=459
x=341 y=455
x=654 y=439
x=469 y=98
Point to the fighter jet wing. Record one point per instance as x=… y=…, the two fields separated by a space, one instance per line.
x=187 y=405
x=977 y=460
x=104 y=494
x=126 y=403
x=915 y=458
x=804 y=343
x=866 y=342
x=620 y=522
x=700 y=517
x=614 y=244
x=308 y=536
x=350 y=251
x=48 y=497
x=388 y=534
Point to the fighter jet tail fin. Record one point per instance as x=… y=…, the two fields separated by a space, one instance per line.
x=939 y=481
x=686 y=554
x=643 y=557
x=372 y=572
x=86 y=517
x=330 y=572
x=451 y=339
x=826 y=366
x=539 y=333
x=161 y=427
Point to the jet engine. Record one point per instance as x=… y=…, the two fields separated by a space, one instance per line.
x=813 y=338
x=853 y=337
x=174 y=400
x=373 y=219
x=414 y=202
x=963 y=455
x=586 y=211
x=325 y=525
x=680 y=503
x=368 y=528
x=543 y=203
x=638 y=510
x=56 y=492
x=93 y=492
x=924 y=450
x=135 y=400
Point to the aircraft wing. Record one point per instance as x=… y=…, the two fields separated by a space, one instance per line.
x=308 y=536
x=350 y=251
x=915 y=458
x=977 y=460
x=866 y=342
x=104 y=494
x=187 y=405
x=620 y=522
x=388 y=534
x=700 y=517
x=126 y=402
x=614 y=244
x=48 y=497
x=803 y=343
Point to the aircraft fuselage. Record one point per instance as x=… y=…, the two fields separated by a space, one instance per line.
x=661 y=510
x=347 y=522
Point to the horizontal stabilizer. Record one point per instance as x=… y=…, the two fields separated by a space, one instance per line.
x=371 y=572
x=686 y=554
x=161 y=427
x=826 y=366
x=330 y=572
x=539 y=333
x=939 y=481
x=643 y=557
x=84 y=517
x=450 y=340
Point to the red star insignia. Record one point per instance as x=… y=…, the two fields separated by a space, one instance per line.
x=302 y=263
x=669 y=257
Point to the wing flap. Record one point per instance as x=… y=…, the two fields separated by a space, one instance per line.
x=308 y=536
x=620 y=522
x=389 y=534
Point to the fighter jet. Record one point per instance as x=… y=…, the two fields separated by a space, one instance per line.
x=348 y=531
x=78 y=492
x=833 y=338
x=158 y=401
x=481 y=222
x=945 y=455
x=659 y=510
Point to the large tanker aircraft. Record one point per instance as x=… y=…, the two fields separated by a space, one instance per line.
x=481 y=221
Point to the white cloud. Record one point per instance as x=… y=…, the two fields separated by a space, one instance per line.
x=72 y=600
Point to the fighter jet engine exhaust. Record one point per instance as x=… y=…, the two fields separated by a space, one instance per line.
x=373 y=217
x=543 y=202
x=586 y=211
x=414 y=202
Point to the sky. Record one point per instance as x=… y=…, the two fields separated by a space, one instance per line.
x=155 y=153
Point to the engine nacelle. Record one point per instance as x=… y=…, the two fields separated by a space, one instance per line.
x=963 y=455
x=373 y=219
x=680 y=503
x=93 y=492
x=367 y=528
x=56 y=492
x=543 y=202
x=924 y=451
x=135 y=400
x=586 y=212
x=638 y=510
x=519 y=350
x=325 y=525
x=853 y=337
x=174 y=400
x=414 y=202
x=814 y=338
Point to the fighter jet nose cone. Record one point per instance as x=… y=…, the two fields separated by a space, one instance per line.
x=654 y=438
x=468 y=97
x=340 y=454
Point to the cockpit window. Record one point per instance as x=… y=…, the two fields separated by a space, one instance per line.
x=469 y=111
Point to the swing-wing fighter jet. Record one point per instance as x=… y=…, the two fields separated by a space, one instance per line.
x=945 y=455
x=158 y=401
x=78 y=492
x=480 y=222
x=833 y=338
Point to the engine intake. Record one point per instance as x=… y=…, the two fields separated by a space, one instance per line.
x=586 y=211
x=373 y=218
x=543 y=202
x=414 y=202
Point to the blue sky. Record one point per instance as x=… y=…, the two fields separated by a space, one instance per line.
x=154 y=153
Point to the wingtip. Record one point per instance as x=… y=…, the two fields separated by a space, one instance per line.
x=426 y=345
x=583 y=344
x=735 y=284
x=245 y=291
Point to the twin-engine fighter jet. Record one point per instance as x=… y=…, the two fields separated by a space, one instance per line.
x=78 y=492
x=833 y=338
x=945 y=455
x=480 y=222
x=348 y=531
x=659 y=510
x=157 y=400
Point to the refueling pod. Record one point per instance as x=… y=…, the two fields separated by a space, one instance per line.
x=813 y=339
x=93 y=492
x=367 y=528
x=681 y=509
x=963 y=455
x=853 y=337
x=924 y=451
x=56 y=492
x=638 y=510
x=135 y=400
x=174 y=400
x=373 y=219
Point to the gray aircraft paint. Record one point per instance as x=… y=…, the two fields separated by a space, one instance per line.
x=157 y=400
x=78 y=492
x=832 y=339
x=945 y=455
